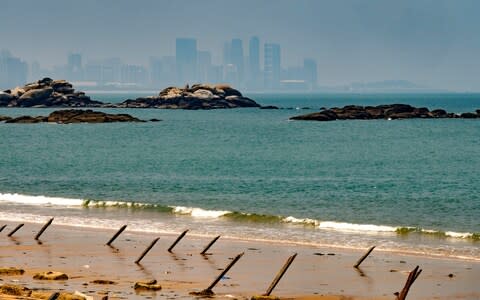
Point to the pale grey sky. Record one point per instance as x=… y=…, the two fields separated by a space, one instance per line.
x=433 y=43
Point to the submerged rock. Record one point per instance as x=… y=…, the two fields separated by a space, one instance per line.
x=75 y=116
x=199 y=96
x=390 y=112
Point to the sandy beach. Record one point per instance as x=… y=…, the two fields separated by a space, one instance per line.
x=316 y=273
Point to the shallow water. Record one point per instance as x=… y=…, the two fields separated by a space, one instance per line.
x=409 y=185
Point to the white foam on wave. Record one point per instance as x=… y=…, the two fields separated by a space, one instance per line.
x=39 y=200
x=461 y=235
x=294 y=220
x=198 y=212
x=356 y=227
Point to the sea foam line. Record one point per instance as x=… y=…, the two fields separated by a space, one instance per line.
x=196 y=212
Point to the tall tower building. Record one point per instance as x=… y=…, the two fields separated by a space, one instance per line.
x=254 y=63
x=74 y=66
x=272 y=67
x=13 y=71
x=238 y=60
x=186 y=60
x=310 y=70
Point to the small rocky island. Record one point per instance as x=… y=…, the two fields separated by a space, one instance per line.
x=389 y=112
x=46 y=93
x=60 y=93
x=74 y=116
x=198 y=96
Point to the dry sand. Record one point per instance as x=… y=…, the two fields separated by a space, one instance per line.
x=81 y=253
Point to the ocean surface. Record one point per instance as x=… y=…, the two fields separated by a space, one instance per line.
x=403 y=185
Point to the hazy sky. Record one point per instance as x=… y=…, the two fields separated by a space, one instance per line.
x=435 y=43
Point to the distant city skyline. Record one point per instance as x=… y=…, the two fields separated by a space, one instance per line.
x=189 y=65
x=433 y=43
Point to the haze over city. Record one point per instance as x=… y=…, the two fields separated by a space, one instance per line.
x=433 y=44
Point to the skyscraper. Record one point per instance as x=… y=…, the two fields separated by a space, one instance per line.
x=253 y=80
x=186 y=60
x=204 y=65
x=272 y=66
x=13 y=71
x=310 y=69
x=74 y=67
x=238 y=60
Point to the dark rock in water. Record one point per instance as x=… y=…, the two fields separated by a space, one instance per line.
x=199 y=96
x=269 y=107
x=76 y=116
x=4 y=118
x=46 y=93
x=5 y=98
x=154 y=120
x=439 y=113
x=469 y=115
x=390 y=111
x=27 y=120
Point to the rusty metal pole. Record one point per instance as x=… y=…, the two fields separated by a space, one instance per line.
x=43 y=228
x=209 y=245
x=280 y=274
x=177 y=240
x=114 y=237
x=363 y=257
x=15 y=230
x=146 y=250
x=234 y=261
x=2 y=228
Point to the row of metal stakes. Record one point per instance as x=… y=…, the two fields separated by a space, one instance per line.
x=413 y=275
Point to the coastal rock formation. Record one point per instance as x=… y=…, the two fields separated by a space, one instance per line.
x=51 y=275
x=75 y=116
x=390 y=112
x=46 y=93
x=199 y=96
x=11 y=271
x=151 y=285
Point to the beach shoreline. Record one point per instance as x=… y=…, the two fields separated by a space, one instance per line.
x=317 y=272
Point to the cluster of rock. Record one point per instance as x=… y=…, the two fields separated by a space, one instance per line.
x=46 y=93
x=74 y=116
x=198 y=96
x=389 y=112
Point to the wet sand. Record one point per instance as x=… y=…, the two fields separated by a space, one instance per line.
x=316 y=273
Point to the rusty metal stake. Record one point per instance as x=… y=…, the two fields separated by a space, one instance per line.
x=2 y=228
x=363 y=257
x=54 y=296
x=208 y=291
x=177 y=240
x=209 y=245
x=280 y=274
x=43 y=228
x=146 y=251
x=410 y=280
x=114 y=237
x=15 y=230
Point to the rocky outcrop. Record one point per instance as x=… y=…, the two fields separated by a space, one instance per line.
x=151 y=285
x=11 y=271
x=199 y=96
x=46 y=93
x=51 y=275
x=75 y=116
x=389 y=112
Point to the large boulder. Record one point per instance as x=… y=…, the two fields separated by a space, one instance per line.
x=35 y=97
x=5 y=98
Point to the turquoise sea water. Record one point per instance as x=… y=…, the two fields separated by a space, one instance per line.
x=408 y=185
